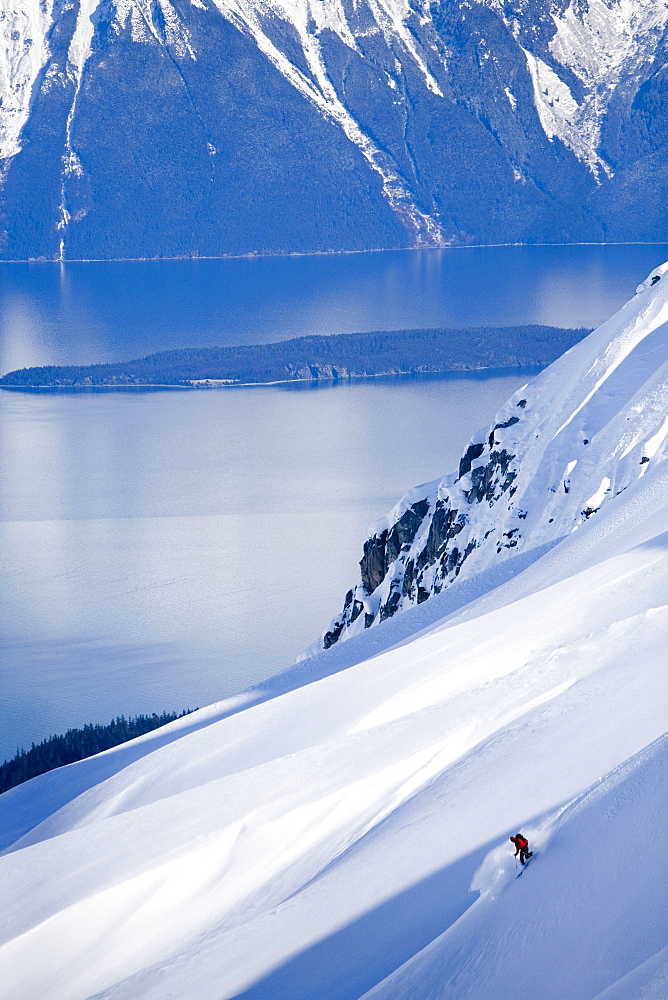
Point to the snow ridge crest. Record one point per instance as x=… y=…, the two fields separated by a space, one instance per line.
x=563 y=446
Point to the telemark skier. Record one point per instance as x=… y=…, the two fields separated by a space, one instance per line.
x=522 y=847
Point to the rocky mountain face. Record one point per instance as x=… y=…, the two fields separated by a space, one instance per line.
x=133 y=128
x=561 y=448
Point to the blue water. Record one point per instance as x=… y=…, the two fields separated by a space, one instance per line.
x=90 y=312
x=163 y=550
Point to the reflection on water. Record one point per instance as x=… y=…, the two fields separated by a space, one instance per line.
x=53 y=313
x=162 y=550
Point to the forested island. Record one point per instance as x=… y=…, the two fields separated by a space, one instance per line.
x=77 y=744
x=342 y=356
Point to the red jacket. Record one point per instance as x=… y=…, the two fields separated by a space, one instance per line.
x=521 y=843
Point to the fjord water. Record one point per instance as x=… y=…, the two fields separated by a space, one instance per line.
x=83 y=313
x=165 y=549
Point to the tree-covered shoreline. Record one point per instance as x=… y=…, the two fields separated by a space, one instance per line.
x=77 y=744
x=318 y=358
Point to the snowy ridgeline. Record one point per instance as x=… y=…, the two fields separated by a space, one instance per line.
x=342 y=831
x=562 y=447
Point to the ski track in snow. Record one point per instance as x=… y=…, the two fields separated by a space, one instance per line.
x=565 y=894
x=343 y=832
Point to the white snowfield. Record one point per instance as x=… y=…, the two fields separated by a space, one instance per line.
x=342 y=835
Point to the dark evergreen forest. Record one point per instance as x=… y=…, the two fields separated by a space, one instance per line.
x=78 y=744
x=353 y=355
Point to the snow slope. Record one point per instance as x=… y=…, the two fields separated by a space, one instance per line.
x=588 y=858
x=334 y=835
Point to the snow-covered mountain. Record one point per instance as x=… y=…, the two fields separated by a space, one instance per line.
x=342 y=830
x=185 y=127
x=564 y=446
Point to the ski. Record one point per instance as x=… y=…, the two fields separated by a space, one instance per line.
x=525 y=865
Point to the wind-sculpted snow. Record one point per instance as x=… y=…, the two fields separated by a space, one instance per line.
x=323 y=124
x=562 y=448
x=351 y=834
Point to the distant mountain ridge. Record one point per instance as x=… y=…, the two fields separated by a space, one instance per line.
x=214 y=127
x=354 y=355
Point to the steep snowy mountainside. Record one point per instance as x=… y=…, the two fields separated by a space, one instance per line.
x=130 y=128
x=325 y=842
x=566 y=899
x=562 y=448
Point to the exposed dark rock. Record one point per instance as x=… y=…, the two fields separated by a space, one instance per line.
x=381 y=550
x=472 y=452
x=334 y=633
x=512 y=541
x=405 y=529
x=452 y=560
x=421 y=508
x=356 y=611
x=485 y=478
x=391 y=605
x=522 y=403
x=507 y=423
x=373 y=564
x=423 y=570
x=444 y=526
x=409 y=577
